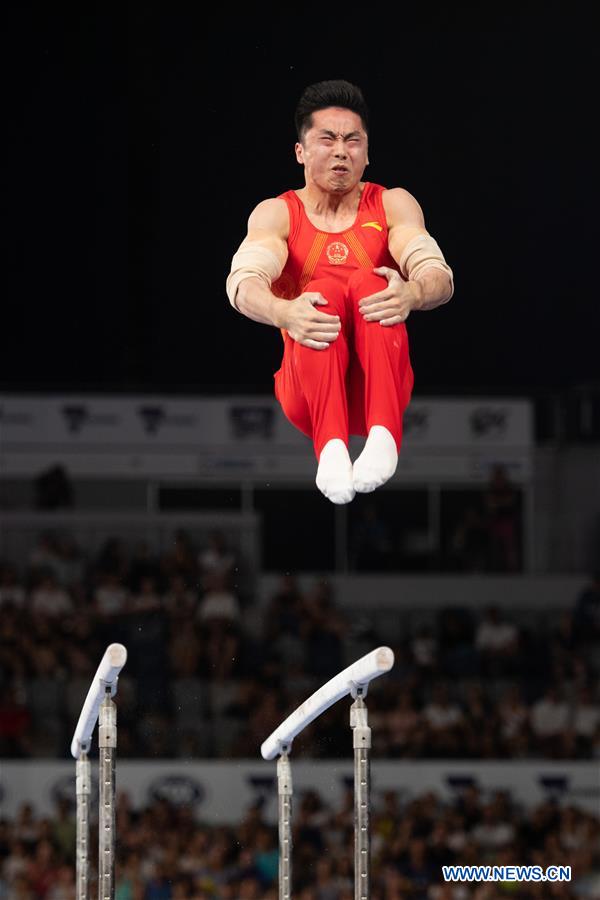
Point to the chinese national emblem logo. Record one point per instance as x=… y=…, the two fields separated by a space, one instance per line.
x=337 y=253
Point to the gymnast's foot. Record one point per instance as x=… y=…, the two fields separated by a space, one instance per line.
x=334 y=475
x=377 y=462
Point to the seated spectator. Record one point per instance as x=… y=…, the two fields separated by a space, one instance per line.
x=72 y=560
x=180 y=561
x=549 y=718
x=266 y=855
x=586 y=719
x=219 y=604
x=480 y=736
x=43 y=869
x=587 y=612
x=143 y=565
x=513 y=715
x=112 y=559
x=11 y=592
x=48 y=598
x=459 y=656
x=217 y=559
x=562 y=646
x=445 y=721
x=283 y=612
x=15 y=723
x=185 y=651
x=16 y=862
x=111 y=596
x=146 y=598
x=179 y=601
x=425 y=649
x=497 y=641
x=64 y=830
x=495 y=829
x=45 y=555
x=221 y=655
x=416 y=867
x=405 y=731
x=595 y=751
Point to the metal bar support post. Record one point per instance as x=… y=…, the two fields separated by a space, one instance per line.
x=284 y=796
x=83 y=780
x=361 y=740
x=107 y=744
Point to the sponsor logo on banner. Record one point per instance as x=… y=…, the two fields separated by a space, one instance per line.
x=489 y=421
x=416 y=421
x=461 y=782
x=180 y=790
x=252 y=422
x=156 y=417
x=76 y=415
x=263 y=785
x=152 y=418
x=348 y=782
x=15 y=418
x=555 y=785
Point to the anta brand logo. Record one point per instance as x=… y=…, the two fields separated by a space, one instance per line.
x=337 y=253
x=375 y=225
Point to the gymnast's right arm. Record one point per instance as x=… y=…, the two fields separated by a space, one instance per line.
x=259 y=262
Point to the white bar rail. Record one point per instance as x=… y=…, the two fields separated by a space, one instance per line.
x=106 y=676
x=359 y=674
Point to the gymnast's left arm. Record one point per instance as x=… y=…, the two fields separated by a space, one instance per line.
x=418 y=255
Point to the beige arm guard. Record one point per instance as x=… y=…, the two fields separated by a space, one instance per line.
x=422 y=253
x=253 y=259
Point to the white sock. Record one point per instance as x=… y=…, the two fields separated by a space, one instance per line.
x=334 y=475
x=377 y=462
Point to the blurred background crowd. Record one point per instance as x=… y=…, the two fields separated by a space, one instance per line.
x=211 y=671
x=165 y=852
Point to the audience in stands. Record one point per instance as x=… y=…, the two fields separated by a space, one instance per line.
x=465 y=684
x=166 y=852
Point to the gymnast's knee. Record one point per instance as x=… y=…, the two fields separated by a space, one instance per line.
x=333 y=293
x=363 y=282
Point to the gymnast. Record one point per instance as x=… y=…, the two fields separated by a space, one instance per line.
x=338 y=266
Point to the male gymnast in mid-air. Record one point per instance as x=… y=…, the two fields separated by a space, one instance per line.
x=338 y=266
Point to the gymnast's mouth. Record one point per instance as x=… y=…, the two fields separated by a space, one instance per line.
x=340 y=169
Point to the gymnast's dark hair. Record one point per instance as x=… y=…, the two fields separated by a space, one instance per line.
x=329 y=93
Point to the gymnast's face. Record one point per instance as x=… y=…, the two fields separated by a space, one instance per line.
x=334 y=151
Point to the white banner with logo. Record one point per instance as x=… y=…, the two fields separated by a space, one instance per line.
x=222 y=792
x=246 y=437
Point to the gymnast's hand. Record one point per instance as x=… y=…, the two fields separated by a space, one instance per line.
x=393 y=304
x=306 y=324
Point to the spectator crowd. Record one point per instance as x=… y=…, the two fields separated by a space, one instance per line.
x=166 y=852
x=211 y=671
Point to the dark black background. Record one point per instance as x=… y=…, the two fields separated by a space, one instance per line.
x=139 y=142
